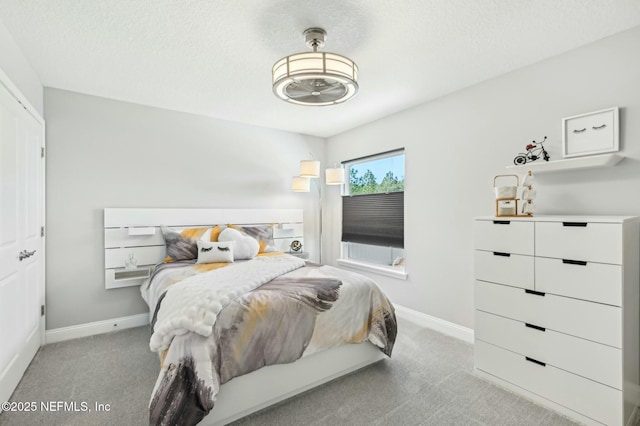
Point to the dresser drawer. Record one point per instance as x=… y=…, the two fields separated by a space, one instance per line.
x=598 y=282
x=594 y=361
x=588 y=320
x=505 y=236
x=504 y=268
x=595 y=242
x=599 y=402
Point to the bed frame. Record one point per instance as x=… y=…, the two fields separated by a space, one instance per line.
x=136 y=232
x=254 y=391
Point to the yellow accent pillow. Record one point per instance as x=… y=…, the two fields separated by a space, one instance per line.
x=215 y=233
x=182 y=245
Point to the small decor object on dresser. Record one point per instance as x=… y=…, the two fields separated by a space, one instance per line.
x=527 y=195
x=535 y=151
x=506 y=196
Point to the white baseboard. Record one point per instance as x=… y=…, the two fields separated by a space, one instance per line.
x=93 y=328
x=445 y=327
x=99 y=327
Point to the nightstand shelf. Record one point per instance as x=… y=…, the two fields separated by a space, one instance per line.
x=123 y=277
x=300 y=254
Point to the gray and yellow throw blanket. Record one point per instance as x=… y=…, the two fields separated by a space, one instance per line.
x=299 y=312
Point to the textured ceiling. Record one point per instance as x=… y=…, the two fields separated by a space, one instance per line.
x=214 y=57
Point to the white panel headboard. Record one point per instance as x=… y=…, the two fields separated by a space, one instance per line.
x=136 y=232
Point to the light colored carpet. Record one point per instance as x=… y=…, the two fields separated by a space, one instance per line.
x=429 y=381
x=115 y=368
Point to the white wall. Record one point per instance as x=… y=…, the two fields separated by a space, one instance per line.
x=18 y=69
x=456 y=144
x=106 y=153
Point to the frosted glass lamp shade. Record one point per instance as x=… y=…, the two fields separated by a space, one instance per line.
x=309 y=168
x=315 y=78
x=300 y=184
x=334 y=176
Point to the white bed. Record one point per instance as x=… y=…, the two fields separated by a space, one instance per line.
x=134 y=232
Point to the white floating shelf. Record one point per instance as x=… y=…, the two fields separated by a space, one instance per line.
x=122 y=277
x=587 y=162
x=149 y=230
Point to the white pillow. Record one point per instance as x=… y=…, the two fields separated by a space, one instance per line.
x=210 y=252
x=245 y=246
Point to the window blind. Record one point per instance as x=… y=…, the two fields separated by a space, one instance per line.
x=376 y=219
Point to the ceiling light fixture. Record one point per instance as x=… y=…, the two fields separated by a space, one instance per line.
x=315 y=78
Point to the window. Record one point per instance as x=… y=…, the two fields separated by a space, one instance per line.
x=373 y=210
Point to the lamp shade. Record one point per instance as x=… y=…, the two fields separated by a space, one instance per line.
x=309 y=168
x=334 y=176
x=300 y=184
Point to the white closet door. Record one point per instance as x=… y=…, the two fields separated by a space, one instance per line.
x=21 y=217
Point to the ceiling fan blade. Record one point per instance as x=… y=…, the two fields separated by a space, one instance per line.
x=315 y=90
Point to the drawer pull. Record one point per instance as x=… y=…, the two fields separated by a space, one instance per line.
x=536 y=327
x=535 y=361
x=501 y=222
x=536 y=293
x=575 y=224
x=499 y=253
x=574 y=262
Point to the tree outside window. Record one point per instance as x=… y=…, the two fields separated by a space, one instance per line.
x=373 y=210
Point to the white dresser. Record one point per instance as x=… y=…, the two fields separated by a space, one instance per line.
x=557 y=316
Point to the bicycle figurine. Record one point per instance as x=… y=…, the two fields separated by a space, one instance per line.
x=535 y=150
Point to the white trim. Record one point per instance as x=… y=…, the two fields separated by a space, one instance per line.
x=11 y=374
x=19 y=96
x=93 y=328
x=369 y=267
x=445 y=327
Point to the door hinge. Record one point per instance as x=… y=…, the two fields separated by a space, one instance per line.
x=42 y=231
x=42 y=152
x=41 y=310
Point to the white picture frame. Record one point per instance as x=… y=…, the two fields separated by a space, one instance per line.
x=592 y=133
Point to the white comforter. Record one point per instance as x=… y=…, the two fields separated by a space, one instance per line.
x=192 y=305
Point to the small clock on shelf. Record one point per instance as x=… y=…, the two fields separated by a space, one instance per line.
x=295 y=246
